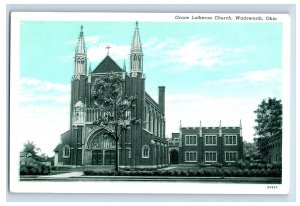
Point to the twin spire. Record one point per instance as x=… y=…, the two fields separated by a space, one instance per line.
x=80 y=48
x=136 y=46
x=136 y=54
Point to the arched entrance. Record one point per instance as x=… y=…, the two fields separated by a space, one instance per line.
x=174 y=159
x=103 y=149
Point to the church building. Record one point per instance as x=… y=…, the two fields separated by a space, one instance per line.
x=141 y=146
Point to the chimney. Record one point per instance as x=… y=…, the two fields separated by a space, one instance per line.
x=161 y=98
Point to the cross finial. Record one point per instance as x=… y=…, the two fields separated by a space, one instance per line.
x=81 y=27
x=108 y=47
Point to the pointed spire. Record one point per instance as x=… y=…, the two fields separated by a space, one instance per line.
x=80 y=48
x=80 y=66
x=136 y=53
x=136 y=45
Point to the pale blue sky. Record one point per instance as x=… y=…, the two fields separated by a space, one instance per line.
x=211 y=70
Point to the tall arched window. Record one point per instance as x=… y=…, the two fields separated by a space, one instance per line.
x=158 y=126
x=151 y=121
x=145 y=151
x=66 y=151
x=155 y=124
x=147 y=119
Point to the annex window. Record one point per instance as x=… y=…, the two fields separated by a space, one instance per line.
x=210 y=156
x=66 y=151
x=231 y=156
x=145 y=151
x=191 y=156
x=210 y=139
x=230 y=140
x=147 y=118
x=190 y=139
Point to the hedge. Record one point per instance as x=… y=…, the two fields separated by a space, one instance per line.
x=202 y=172
x=36 y=168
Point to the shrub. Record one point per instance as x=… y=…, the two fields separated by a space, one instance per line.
x=200 y=173
x=234 y=173
x=184 y=173
x=177 y=172
x=239 y=173
x=277 y=173
x=241 y=164
x=207 y=173
x=23 y=170
x=228 y=173
x=263 y=172
x=46 y=169
x=34 y=168
x=192 y=173
x=276 y=166
x=217 y=172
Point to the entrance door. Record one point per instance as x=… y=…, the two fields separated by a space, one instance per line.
x=174 y=157
x=97 y=157
x=110 y=157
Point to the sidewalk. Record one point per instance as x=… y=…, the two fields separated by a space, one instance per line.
x=64 y=175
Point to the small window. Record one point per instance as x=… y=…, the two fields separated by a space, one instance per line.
x=231 y=156
x=210 y=139
x=190 y=139
x=191 y=156
x=230 y=140
x=66 y=151
x=210 y=156
x=145 y=151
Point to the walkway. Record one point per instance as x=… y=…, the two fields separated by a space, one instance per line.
x=63 y=175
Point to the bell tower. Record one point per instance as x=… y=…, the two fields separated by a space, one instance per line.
x=79 y=95
x=136 y=54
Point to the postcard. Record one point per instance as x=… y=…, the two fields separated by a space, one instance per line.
x=168 y=103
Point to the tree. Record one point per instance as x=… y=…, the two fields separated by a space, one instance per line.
x=33 y=163
x=31 y=148
x=251 y=152
x=268 y=122
x=115 y=107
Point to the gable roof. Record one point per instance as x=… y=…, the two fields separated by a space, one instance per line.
x=57 y=148
x=107 y=65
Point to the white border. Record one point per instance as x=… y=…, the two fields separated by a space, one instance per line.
x=138 y=187
x=190 y=135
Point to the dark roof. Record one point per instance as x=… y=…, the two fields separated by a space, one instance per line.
x=107 y=65
x=175 y=135
x=152 y=101
x=66 y=135
x=57 y=148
